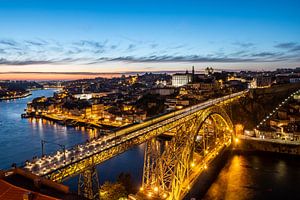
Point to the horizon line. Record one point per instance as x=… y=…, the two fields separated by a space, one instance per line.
x=133 y=72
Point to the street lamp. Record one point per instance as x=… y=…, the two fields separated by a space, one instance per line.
x=43 y=142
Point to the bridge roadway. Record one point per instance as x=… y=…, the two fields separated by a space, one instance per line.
x=71 y=162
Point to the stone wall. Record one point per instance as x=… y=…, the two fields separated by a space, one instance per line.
x=266 y=146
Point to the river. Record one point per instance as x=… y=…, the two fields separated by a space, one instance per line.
x=243 y=176
x=20 y=139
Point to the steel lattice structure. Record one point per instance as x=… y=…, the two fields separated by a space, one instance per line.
x=88 y=184
x=160 y=167
x=166 y=175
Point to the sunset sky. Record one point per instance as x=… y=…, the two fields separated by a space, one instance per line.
x=136 y=35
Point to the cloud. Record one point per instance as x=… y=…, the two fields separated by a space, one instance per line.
x=8 y=42
x=36 y=42
x=74 y=50
x=169 y=58
x=153 y=46
x=114 y=46
x=91 y=46
x=39 y=52
x=290 y=46
x=2 y=51
x=238 y=53
x=24 y=62
x=178 y=46
x=90 y=43
x=266 y=54
x=243 y=44
x=286 y=45
x=131 y=47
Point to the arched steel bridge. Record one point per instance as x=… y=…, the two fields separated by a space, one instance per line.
x=169 y=173
x=199 y=133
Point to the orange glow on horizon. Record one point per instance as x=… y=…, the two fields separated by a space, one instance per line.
x=40 y=77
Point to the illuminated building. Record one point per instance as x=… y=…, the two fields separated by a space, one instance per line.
x=181 y=79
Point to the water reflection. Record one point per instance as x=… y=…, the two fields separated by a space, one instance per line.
x=243 y=177
x=257 y=177
x=20 y=139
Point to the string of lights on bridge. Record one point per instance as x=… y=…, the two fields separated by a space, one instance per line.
x=277 y=108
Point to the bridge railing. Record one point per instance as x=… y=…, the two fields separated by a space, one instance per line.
x=188 y=111
x=174 y=113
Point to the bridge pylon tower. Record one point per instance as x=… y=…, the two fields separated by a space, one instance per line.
x=88 y=184
x=152 y=153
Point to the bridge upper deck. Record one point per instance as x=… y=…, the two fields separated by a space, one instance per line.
x=73 y=161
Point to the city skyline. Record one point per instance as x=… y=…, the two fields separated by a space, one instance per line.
x=141 y=100
x=139 y=36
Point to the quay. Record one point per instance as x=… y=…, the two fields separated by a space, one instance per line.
x=15 y=97
x=246 y=143
x=67 y=121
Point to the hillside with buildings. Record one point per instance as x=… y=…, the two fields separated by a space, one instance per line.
x=259 y=103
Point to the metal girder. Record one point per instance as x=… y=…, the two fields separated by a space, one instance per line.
x=74 y=167
x=152 y=153
x=80 y=166
x=88 y=184
x=168 y=178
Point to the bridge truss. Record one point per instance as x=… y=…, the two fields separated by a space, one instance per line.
x=168 y=171
x=196 y=131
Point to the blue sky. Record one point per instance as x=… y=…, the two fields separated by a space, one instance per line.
x=137 y=35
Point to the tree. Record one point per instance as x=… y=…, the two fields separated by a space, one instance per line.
x=125 y=180
x=112 y=191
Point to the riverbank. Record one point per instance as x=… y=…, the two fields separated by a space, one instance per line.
x=250 y=144
x=70 y=122
x=21 y=138
x=15 y=97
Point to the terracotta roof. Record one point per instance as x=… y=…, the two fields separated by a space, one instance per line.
x=11 y=192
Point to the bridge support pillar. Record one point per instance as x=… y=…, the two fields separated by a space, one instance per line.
x=152 y=153
x=88 y=184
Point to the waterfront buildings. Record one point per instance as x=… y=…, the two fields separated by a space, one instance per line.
x=121 y=101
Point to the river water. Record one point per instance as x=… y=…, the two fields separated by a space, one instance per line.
x=20 y=139
x=247 y=176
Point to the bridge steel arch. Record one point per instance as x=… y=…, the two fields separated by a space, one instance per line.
x=166 y=176
x=183 y=120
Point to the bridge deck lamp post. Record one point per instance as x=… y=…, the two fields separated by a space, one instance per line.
x=63 y=147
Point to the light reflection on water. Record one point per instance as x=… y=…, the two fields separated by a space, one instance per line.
x=257 y=176
x=243 y=177
x=231 y=180
x=20 y=139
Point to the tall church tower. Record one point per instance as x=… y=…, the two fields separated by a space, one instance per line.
x=193 y=73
